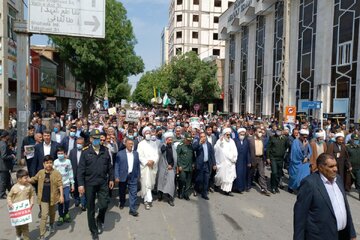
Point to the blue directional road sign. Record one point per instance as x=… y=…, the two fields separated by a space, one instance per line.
x=311 y=105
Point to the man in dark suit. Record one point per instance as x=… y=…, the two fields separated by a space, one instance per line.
x=322 y=210
x=69 y=142
x=205 y=162
x=47 y=147
x=127 y=173
x=28 y=141
x=74 y=156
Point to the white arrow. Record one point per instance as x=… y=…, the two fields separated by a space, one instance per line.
x=95 y=23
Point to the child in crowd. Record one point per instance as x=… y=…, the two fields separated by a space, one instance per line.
x=50 y=192
x=21 y=191
x=63 y=165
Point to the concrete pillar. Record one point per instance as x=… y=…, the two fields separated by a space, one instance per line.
x=323 y=54
x=251 y=69
x=226 y=77
x=268 y=63
x=236 y=103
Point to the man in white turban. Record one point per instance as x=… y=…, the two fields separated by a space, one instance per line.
x=225 y=156
x=167 y=169
x=149 y=156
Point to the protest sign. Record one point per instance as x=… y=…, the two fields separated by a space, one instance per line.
x=132 y=116
x=20 y=213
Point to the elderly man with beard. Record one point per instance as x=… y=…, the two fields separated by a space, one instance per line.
x=149 y=156
x=338 y=150
x=226 y=157
x=318 y=146
x=167 y=169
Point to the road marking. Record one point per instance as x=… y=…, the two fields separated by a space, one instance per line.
x=254 y=212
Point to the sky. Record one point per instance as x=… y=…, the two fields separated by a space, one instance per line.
x=148 y=18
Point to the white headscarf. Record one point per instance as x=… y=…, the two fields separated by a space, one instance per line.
x=145 y=130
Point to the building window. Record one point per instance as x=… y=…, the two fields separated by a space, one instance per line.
x=179 y=2
x=216 y=52
x=195 y=50
x=195 y=18
x=217 y=3
x=215 y=36
x=196 y=2
x=179 y=34
x=195 y=35
x=11 y=18
x=230 y=4
x=216 y=19
x=344 y=53
x=179 y=18
x=178 y=51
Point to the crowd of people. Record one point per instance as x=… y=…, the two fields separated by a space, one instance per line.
x=163 y=155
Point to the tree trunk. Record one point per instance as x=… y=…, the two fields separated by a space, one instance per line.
x=88 y=98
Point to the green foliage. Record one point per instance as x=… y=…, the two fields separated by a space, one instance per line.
x=117 y=90
x=186 y=78
x=93 y=61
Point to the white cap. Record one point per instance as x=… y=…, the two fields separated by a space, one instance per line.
x=304 y=132
x=339 y=134
x=226 y=130
x=168 y=135
x=145 y=130
x=241 y=130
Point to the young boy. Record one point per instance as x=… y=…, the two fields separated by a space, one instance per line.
x=21 y=191
x=50 y=192
x=63 y=165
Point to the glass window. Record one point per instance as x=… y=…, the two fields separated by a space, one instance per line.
x=217 y=3
x=179 y=18
x=344 y=53
x=178 y=51
x=179 y=34
x=216 y=52
x=195 y=35
x=195 y=50
x=10 y=19
x=196 y=2
x=230 y=4
x=195 y=18
x=216 y=19
x=215 y=36
x=179 y=2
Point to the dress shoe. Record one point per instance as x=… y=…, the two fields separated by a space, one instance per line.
x=147 y=206
x=134 y=213
x=121 y=206
x=211 y=190
x=171 y=202
x=248 y=189
x=83 y=208
x=229 y=194
x=195 y=193
x=95 y=236
x=180 y=196
x=277 y=190
x=205 y=197
x=281 y=186
x=290 y=191
x=265 y=192
x=100 y=226
x=160 y=197
x=273 y=191
x=187 y=198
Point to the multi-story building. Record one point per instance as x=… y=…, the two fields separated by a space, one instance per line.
x=9 y=11
x=193 y=26
x=165 y=46
x=282 y=53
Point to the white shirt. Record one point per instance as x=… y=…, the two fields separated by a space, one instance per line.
x=78 y=155
x=337 y=202
x=71 y=144
x=58 y=137
x=47 y=149
x=209 y=139
x=130 y=160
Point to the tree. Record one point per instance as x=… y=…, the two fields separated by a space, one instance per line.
x=186 y=78
x=94 y=61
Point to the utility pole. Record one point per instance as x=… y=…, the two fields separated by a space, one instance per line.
x=23 y=98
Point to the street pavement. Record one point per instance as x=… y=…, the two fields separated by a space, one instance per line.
x=245 y=216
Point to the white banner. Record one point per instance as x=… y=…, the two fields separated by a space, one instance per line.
x=132 y=116
x=20 y=213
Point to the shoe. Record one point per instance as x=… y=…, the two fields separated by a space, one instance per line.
x=187 y=198
x=39 y=214
x=160 y=198
x=195 y=193
x=42 y=238
x=211 y=190
x=52 y=228
x=147 y=206
x=277 y=190
x=60 y=221
x=180 y=196
x=229 y=194
x=281 y=186
x=3 y=197
x=18 y=238
x=290 y=190
x=273 y=191
x=205 y=197
x=121 y=206
x=248 y=189
x=67 y=218
x=77 y=204
x=171 y=203
x=265 y=192
x=95 y=236
x=150 y=204
x=83 y=208
x=134 y=213
x=100 y=226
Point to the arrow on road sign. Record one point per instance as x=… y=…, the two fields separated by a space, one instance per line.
x=95 y=23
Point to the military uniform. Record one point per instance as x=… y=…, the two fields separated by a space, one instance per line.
x=276 y=149
x=354 y=157
x=186 y=159
x=94 y=172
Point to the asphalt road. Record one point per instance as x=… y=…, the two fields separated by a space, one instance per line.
x=245 y=216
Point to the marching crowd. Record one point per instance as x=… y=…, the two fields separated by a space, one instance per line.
x=167 y=155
